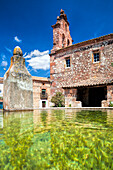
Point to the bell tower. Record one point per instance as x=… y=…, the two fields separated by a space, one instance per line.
x=61 y=33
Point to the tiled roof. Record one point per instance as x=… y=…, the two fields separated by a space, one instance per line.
x=40 y=78
x=88 y=42
x=1 y=79
x=90 y=82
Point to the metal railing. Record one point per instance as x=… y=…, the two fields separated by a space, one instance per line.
x=43 y=96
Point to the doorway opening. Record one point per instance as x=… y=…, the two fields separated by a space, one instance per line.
x=43 y=103
x=91 y=96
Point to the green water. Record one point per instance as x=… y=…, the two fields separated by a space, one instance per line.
x=57 y=140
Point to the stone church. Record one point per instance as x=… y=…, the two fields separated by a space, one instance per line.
x=83 y=72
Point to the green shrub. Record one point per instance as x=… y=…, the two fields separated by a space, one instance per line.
x=58 y=100
x=69 y=105
x=110 y=104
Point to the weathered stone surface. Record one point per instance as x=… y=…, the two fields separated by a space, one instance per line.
x=18 y=86
x=71 y=102
x=104 y=103
x=109 y=94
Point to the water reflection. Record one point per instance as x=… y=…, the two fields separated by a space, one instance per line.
x=1 y=120
x=56 y=139
x=91 y=116
x=17 y=137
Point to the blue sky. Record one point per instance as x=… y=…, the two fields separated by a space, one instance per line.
x=27 y=24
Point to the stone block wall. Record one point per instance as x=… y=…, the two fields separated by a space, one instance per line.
x=71 y=102
x=104 y=103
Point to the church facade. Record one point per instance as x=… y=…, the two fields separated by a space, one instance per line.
x=83 y=72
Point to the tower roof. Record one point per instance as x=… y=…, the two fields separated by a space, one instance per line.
x=62 y=16
x=61 y=11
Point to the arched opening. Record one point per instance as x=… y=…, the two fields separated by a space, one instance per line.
x=63 y=40
x=68 y=42
x=66 y=27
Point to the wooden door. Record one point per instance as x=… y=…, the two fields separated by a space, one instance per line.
x=43 y=103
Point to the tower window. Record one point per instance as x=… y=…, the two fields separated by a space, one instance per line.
x=67 y=62
x=66 y=27
x=63 y=38
x=68 y=42
x=96 y=56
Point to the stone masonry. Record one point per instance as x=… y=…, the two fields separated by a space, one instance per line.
x=83 y=71
x=17 y=84
x=61 y=33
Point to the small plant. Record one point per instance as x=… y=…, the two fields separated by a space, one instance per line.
x=58 y=100
x=69 y=105
x=110 y=104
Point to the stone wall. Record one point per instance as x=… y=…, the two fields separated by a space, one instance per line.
x=82 y=66
x=71 y=102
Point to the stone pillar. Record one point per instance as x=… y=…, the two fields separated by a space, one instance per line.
x=18 y=86
x=109 y=94
x=104 y=103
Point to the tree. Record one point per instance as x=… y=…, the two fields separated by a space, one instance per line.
x=58 y=100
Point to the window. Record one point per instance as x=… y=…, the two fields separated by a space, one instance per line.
x=96 y=56
x=67 y=62
x=43 y=91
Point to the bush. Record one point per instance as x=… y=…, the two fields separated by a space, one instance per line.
x=58 y=100
x=69 y=105
x=1 y=98
x=110 y=104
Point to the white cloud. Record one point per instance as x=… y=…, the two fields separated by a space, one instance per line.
x=4 y=63
x=38 y=60
x=3 y=56
x=48 y=73
x=17 y=39
x=24 y=54
x=9 y=50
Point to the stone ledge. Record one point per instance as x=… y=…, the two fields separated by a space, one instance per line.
x=17 y=110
